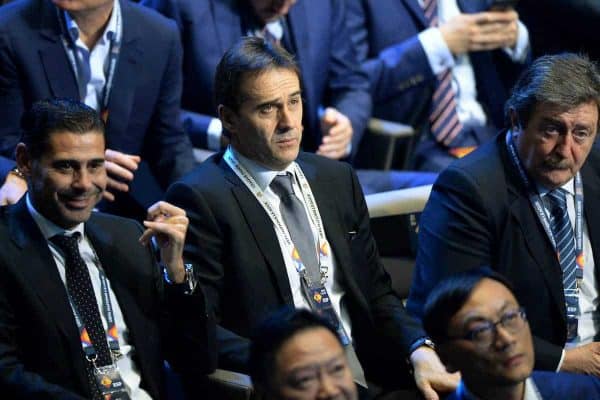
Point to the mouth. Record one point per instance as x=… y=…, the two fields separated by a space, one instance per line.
x=78 y=202
x=513 y=361
x=287 y=141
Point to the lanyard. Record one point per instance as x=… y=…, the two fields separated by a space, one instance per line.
x=538 y=206
x=112 y=335
x=113 y=55
x=248 y=180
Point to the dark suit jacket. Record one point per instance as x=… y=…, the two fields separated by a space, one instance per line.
x=331 y=75
x=40 y=351
x=479 y=214
x=144 y=101
x=243 y=273
x=402 y=82
x=558 y=386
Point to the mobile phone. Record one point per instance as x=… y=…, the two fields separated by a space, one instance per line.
x=501 y=5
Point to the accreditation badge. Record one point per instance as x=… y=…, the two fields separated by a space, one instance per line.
x=110 y=383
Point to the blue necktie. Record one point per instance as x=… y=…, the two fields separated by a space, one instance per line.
x=563 y=235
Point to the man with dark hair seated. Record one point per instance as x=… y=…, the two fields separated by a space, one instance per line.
x=297 y=354
x=481 y=331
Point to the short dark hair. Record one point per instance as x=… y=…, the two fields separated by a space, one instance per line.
x=450 y=295
x=271 y=335
x=49 y=116
x=250 y=56
x=565 y=80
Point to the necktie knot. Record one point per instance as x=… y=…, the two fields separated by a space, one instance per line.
x=282 y=186
x=68 y=244
x=556 y=201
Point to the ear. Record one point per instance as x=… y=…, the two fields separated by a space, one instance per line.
x=23 y=159
x=228 y=118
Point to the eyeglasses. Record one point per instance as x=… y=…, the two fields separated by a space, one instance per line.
x=511 y=321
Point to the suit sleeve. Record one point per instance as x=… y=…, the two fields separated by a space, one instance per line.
x=11 y=102
x=195 y=125
x=397 y=70
x=169 y=149
x=15 y=380
x=390 y=317
x=348 y=84
x=205 y=247
x=455 y=236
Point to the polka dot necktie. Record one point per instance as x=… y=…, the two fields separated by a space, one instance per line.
x=79 y=285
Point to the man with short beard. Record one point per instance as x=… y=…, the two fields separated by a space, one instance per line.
x=517 y=204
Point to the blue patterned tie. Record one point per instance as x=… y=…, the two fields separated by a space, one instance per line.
x=564 y=238
x=445 y=125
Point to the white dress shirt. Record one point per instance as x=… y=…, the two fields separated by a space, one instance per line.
x=92 y=66
x=263 y=177
x=470 y=111
x=129 y=372
x=531 y=391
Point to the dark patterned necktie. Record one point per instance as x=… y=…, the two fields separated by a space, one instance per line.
x=81 y=291
x=443 y=119
x=564 y=237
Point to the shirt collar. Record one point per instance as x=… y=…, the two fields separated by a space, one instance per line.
x=48 y=227
x=109 y=32
x=568 y=187
x=530 y=393
x=261 y=174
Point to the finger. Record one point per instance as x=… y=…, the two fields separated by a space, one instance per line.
x=145 y=238
x=330 y=116
x=173 y=232
x=333 y=152
x=494 y=16
x=113 y=184
x=129 y=161
x=427 y=391
x=118 y=171
x=163 y=209
x=108 y=195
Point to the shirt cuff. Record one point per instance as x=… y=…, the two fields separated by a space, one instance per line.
x=521 y=49
x=438 y=54
x=562 y=358
x=214 y=132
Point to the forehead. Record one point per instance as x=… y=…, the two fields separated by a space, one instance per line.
x=75 y=145
x=487 y=300
x=269 y=84
x=308 y=347
x=583 y=114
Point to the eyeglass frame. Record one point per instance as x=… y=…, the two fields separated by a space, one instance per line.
x=492 y=326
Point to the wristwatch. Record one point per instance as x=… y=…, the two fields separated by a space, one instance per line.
x=189 y=283
x=423 y=341
x=17 y=172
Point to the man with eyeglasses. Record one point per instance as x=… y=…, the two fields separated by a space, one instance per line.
x=481 y=330
x=526 y=205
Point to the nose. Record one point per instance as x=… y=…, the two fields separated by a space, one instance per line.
x=503 y=338
x=328 y=388
x=565 y=144
x=82 y=179
x=285 y=119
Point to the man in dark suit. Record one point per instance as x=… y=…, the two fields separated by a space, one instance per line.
x=481 y=331
x=257 y=255
x=416 y=51
x=313 y=30
x=502 y=205
x=119 y=58
x=80 y=297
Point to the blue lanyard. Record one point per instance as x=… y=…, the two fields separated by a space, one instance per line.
x=538 y=205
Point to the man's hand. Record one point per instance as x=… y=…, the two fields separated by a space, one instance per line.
x=168 y=225
x=337 y=134
x=430 y=374
x=12 y=190
x=120 y=168
x=481 y=31
x=583 y=359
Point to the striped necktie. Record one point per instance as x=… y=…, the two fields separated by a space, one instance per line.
x=443 y=119
x=564 y=238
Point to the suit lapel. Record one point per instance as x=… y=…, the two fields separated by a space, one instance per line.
x=120 y=101
x=417 y=11
x=261 y=227
x=591 y=192
x=53 y=55
x=42 y=275
x=336 y=235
